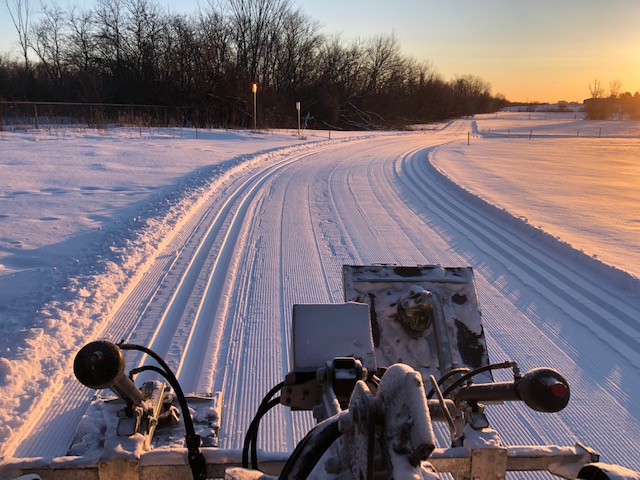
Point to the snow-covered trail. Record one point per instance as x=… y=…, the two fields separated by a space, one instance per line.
x=217 y=302
x=380 y=201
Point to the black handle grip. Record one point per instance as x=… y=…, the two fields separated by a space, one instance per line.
x=101 y=364
x=542 y=389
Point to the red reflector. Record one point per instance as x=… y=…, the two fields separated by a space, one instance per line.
x=558 y=389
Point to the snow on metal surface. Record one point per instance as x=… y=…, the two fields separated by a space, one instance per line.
x=454 y=341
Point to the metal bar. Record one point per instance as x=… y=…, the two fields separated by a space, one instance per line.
x=161 y=464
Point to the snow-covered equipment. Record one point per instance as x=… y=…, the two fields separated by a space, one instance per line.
x=397 y=377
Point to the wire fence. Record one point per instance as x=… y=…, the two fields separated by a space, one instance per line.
x=16 y=116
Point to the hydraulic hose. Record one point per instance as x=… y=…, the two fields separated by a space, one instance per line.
x=310 y=449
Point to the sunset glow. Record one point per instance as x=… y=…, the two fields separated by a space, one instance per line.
x=547 y=50
x=529 y=51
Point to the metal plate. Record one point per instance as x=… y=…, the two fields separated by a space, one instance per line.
x=457 y=340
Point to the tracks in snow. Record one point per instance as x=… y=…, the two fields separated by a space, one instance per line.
x=224 y=286
x=563 y=313
x=601 y=310
x=177 y=306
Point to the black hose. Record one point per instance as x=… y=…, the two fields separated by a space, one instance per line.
x=197 y=461
x=445 y=377
x=310 y=449
x=252 y=431
x=148 y=368
x=473 y=373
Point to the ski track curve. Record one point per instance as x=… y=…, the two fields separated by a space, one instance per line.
x=564 y=292
x=162 y=292
x=217 y=302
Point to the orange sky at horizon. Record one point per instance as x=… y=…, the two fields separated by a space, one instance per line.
x=545 y=51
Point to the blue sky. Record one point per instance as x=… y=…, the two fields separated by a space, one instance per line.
x=542 y=50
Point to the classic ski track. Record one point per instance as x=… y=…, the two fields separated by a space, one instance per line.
x=581 y=297
x=259 y=325
x=287 y=244
x=514 y=417
x=200 y=327
x=248 y=343
x=43 y=435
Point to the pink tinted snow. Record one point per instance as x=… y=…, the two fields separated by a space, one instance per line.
x=584 y=190
x=81 y=211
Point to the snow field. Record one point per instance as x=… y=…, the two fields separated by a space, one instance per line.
x=221 y=277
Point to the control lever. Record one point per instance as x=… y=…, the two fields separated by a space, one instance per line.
x=101 y=364
x=542 y=389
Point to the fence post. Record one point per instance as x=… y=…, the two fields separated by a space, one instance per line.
x=530 y=134
x=35 y=114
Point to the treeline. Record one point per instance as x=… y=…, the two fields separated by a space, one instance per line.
x=619 y=107
x=131 y=51
x=614 y=105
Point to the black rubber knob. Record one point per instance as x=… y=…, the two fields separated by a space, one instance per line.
x=544 y=390
x=99 y=364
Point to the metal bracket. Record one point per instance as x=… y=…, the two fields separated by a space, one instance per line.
x=488 y=463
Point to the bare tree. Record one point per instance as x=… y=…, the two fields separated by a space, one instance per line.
x=255 y=26
x=382 y=59
x=20 y=11
x=614 y=88
x=596 y=89
x=143 y=27
x=214 y=43
x=109 y=20
x=297 y=52
x=81 y=40
x=47 y=38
